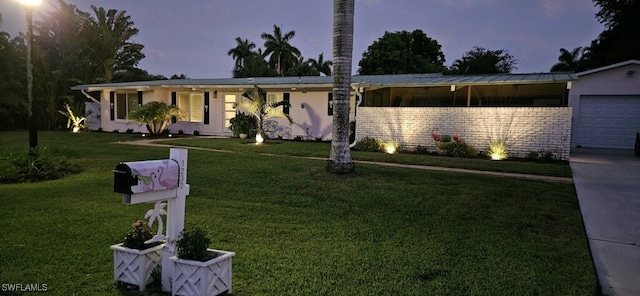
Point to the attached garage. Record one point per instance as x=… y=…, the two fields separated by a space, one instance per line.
x=607 y=122
x=606 y=107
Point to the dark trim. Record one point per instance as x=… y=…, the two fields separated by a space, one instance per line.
x=206 y=107
x=174 y=100
x=139 y=98
x=112 y=106
x=286 y=98
x=330 y=104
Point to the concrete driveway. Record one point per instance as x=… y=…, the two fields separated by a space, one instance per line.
x=608 y=188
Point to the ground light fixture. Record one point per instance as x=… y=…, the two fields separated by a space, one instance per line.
x=390 y=147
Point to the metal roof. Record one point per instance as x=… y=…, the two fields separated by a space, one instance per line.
x=609 y=67
x=406 y=80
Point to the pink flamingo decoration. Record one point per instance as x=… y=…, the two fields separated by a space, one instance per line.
x=434 y=135
x=167 y=182
x=153 y=179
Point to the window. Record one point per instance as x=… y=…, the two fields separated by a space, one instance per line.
x=273 y=98
x=126 y=103
x=192 y=104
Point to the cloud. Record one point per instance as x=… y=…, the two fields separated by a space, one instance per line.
x=552 y=8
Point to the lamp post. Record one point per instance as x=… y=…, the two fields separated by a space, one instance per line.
x=33 y=130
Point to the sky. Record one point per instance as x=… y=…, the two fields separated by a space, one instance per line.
x=192 y=37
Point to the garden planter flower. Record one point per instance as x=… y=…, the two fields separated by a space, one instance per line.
x=212 y=277
x=134 y=266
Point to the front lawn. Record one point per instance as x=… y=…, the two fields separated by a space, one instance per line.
x=298 y=230
x=321 y=149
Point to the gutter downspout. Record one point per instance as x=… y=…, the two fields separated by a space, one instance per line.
x=358 y=93
x=89 y=96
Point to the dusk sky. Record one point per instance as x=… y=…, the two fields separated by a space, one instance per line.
x=193 y=37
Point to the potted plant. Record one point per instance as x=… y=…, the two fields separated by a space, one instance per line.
x=199 y=270
x=240 y=125
x=134 y=260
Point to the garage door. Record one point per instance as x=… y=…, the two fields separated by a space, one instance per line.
x=608 y=122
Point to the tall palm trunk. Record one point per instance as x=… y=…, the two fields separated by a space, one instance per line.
x=340 y=158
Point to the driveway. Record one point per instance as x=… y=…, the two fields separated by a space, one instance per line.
x=608 y=188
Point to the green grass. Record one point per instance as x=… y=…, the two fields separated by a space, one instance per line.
x=298 y=230
x=321 y=149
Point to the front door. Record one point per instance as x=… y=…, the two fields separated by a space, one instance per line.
x=229 y=111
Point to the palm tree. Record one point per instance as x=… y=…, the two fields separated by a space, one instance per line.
x=242 y=51
x=282 y=54
x=257 y=105
x=568 y=60
x=156 y=116
x=321 y=65
x=340 y=158
x=112 y=47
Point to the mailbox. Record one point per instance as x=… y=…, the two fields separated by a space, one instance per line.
x=145 y=176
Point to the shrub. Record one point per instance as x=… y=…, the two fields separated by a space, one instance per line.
x=193 y=244
x=462 y=149
x=129 y=131
x=298 y=138
x=368 y=144
x=156 y=116
x=140 y=233
x=196 y=132
x=532 y=155
x=42 y=164
x=422 y=150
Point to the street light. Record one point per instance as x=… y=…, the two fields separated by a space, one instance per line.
x=33 y=130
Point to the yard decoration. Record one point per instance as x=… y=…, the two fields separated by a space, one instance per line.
x=199 y=270
x=164 y=183
x=135 y=259
x=453 y=146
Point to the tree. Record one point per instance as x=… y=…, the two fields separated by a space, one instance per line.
x=321 y=65
x=258 y=105
x=340 y=161
x=13 y=83
x=568 y=60
x=483 y=61
x=302 y=68
x=619 y=41
x=110 y=43
x=156 y=116
x=402 y=53
x=59 y=60
x=282 y=55
x=242 y=51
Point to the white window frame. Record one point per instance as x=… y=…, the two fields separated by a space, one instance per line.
x=195 y=105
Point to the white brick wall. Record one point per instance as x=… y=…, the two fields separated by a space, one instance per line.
x=523 y=129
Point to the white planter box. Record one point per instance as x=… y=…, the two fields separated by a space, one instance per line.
x=211 y=277
x=133 y=266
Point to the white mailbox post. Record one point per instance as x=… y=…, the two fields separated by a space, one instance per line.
x=164 y=183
